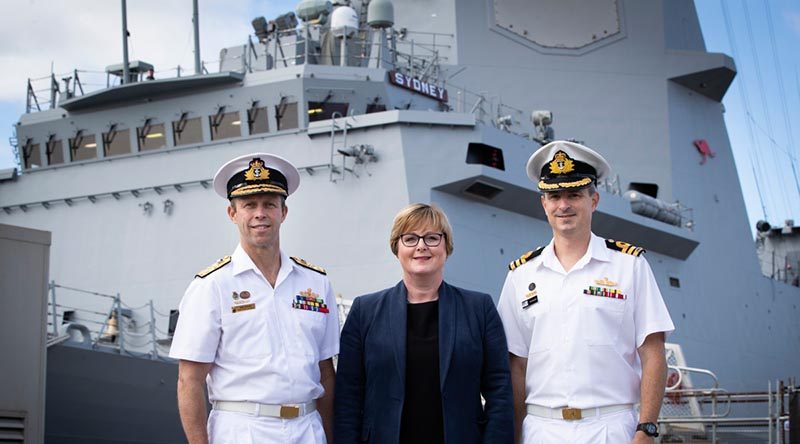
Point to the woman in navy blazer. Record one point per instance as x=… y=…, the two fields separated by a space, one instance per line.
x=416 y=358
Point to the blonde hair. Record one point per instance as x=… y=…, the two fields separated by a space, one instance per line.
x=417 y=216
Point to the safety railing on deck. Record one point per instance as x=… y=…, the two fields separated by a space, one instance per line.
x=709 y=412
x=418 y=57
x=73 y=315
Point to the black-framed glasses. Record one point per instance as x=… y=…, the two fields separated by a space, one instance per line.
x=430 y=239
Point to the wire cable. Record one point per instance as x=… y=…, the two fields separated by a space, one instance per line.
x=782 y=93
x=743 y=94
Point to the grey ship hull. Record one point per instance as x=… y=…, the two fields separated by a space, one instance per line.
x=95 y=397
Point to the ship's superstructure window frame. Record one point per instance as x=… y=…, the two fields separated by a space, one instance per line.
x=151 y=136
x=257 y=119
x=31 y=155
x=82 y=147
x=483 y=154
x=187 y=130
x=286 y=115
x=54 y=150
x=225 y=125
x=116 y=141
x=324 y=110
x=649 y=189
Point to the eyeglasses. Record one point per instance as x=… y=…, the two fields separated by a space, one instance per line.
x=430 y=239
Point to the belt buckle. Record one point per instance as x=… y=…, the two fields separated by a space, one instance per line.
x=571 y=414
x=290 y=411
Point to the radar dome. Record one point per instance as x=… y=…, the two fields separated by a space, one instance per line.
x=309 y=10
x=344 y=20
x=380 y=14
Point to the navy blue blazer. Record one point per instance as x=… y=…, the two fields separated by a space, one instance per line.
x=473 y=361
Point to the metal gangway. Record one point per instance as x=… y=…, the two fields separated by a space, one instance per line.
x=707 y=413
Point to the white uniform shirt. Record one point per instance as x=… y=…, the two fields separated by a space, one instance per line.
x=582 y=348
x=265 y=347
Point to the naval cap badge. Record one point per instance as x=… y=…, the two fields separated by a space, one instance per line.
x=561 y=164
x=256 y=171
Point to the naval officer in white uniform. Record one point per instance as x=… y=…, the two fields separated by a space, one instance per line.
x=258 y=327
x=584 y=318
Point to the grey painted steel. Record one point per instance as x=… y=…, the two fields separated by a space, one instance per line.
x=144 y=92
x=196 y=26
x=637 y=97
x=124 y=400
x=126 y=73
x=24 y=264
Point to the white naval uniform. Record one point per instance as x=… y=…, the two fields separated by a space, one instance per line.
x=267 y=353
x=582 y=348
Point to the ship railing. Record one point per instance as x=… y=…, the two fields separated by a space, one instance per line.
x=116 y=328
x=417 y=54
x=419 y=57
x=708 y=411
x=344 y=306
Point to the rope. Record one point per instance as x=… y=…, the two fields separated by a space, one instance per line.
x=85 y=291
x=136 y=335
x=80 y=310
x=166 y=315
x=158 y=330
x=133 y=308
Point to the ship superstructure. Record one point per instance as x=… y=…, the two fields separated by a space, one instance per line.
x=431 y=106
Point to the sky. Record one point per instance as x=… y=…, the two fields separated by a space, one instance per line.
x=761 y=106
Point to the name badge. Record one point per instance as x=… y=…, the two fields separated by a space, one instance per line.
x=240 y=308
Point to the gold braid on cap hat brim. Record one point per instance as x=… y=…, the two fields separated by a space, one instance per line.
x=553 y=186
x=255 y=189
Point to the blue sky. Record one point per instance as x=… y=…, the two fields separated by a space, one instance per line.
x=761 y=106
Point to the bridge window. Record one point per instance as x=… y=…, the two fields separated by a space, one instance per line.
x=116 y=142
x=286 y=115
x=324 y=110
x=187 y=131
x=82 y=147
x=55 y=151
x=151 y=136
x=257 y=120
x=32 y=157
x=225 y=125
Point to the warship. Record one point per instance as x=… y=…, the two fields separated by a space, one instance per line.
x=379 y=106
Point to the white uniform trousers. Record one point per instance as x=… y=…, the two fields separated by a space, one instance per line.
x=613 y=428
x=239 y=428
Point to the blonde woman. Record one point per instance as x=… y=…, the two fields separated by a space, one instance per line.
x=416 y=358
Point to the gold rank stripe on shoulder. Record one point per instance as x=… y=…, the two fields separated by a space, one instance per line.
x=624 y=247
x=214 y=267
x=525 y=258
x=303 y=263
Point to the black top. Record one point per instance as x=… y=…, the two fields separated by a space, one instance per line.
x=422 y=421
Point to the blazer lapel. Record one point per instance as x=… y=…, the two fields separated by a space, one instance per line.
x=397 y=328
x=447 y=329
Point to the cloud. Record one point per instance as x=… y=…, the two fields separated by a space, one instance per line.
x=793 y=19
x=86 y=35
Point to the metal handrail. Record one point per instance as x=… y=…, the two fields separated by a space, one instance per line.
x=124 y=336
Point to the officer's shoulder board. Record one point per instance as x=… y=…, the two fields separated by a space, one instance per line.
x=525 y=258
x=624 y=247
x=214 y=267
x=303 y=263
